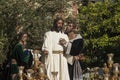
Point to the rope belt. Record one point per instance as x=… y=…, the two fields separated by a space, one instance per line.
x=57 y=52
x=60 y=67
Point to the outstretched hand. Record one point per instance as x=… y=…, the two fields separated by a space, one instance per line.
x=81 y=57
x=76 y=57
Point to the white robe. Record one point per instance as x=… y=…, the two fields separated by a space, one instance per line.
x=52 y=61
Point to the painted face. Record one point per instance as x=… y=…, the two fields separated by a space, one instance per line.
x=70 y=27
x=24 y=37
x=60 y=24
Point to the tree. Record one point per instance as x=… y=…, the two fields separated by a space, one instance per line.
x=32 y=16
x=100 y=26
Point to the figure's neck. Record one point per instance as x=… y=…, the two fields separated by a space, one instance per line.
x=21 y=42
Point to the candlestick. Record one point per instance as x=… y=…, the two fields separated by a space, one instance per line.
x=110 y=61
x=21 y=68
x=110 y=56
x=116 y=70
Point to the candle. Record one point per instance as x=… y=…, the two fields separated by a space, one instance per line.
x=29 y=75
x=110 y=58
x=41 y=70
x=116 y=68
x=20 y=71
x=35 y=56
x=106 y=78
x=116 y=65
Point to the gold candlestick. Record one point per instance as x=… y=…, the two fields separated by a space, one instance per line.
x=36 y=61
x=95 y=72
x=106 y=76
x=21 y=68
x=116 y=70
x=110 y=61
x=42 y=72
x=105 y=69
x=29 y=74
x=106 y=72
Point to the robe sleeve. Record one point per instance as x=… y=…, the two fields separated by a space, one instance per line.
x=46 y=43
x=66 y=38
x=70 y=59
x=67 y=55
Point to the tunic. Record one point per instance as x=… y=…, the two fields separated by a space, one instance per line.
x=74 y=48
x=18 y=54
x=55 y=62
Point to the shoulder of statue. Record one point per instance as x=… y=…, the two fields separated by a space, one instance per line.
x=79 y=36
x=18 y=44
x=66 y=35
x=49 y=33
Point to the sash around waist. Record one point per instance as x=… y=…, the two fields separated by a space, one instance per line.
x=57 y=52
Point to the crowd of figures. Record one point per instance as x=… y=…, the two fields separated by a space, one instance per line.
x=61 y=53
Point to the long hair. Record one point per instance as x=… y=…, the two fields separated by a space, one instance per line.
x=55 y=26
x=20 y=35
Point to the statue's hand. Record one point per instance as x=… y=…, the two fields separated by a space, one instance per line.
x=76 y=57
x=45 y=52
x=81 y=57
x=62 y=41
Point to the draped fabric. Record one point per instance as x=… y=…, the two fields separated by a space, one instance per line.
x=55 y=62
x=77 y=71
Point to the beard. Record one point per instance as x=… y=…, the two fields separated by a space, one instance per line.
x=59 y=29
x=68 y=31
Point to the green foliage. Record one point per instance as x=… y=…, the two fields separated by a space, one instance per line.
x=2 y=45
x=35 y=16
x=100 y=25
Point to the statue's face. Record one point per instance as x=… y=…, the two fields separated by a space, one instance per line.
x=24 y=37
x=60 y=24
x=69 y=28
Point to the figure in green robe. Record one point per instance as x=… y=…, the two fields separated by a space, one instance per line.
x=19 y=55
